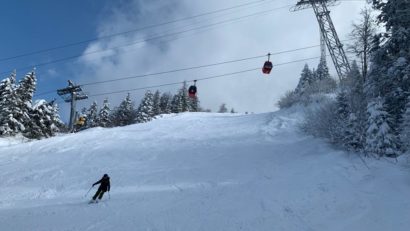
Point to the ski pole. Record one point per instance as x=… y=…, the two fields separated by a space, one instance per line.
x=88 y=191
x=109 y=195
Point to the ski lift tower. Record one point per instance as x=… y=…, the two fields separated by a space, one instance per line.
x=328 y=32
x=71 y=94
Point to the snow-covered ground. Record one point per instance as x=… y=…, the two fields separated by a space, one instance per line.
x=200 y=171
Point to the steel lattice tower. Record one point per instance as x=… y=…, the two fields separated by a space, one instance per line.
x=328 y=32
x=322 y=47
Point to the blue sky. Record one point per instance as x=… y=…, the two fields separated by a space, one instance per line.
x=29 y=26
x=36 y=25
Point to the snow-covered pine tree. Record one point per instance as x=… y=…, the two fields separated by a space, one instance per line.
x=175 y=104
x=56 y=124
x=379 y=137
x=340 y=130
x=183 y=103
x=125 y=114
x=25 y=91
x=104 y=119
x=405 y=136
x=10 y=113
x=145 y=110
x=322 y=71
x=156 y=103
x=92 y=115
x=305 y=80
x=322 y=82
x=353 y=138
x=222 y=108
x=353 y=84
x=193 y=104
x=45 y=120
x=390 y=69
x=165 y=103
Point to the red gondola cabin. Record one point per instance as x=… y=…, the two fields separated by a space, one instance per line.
x=267 y=67
x=192 y=90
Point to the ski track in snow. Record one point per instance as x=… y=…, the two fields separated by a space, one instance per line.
x=200 y=171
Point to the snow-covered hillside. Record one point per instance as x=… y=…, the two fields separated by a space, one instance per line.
x=200 y=171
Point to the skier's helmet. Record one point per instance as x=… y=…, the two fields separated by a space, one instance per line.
x=105 y=175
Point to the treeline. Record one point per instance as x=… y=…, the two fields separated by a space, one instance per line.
x=312 y=83
x=151 y=105
x=18 y=114
x=370 y=110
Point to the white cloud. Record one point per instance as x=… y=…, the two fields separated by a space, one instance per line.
x=253 y=92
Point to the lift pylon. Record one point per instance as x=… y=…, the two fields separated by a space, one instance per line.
x=71 y=94
x=328 y=32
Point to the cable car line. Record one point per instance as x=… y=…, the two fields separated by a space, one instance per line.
x=133 y=30
x=176 y=83
x=200 y=79
x=185 y=69
x=141 y=29
x=152 y=38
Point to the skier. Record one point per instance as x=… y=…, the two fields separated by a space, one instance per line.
x=104 y=187
x=80 y=124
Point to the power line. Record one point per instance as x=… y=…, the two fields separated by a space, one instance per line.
x=154 y=37
x=186 y=68
x=132 y=31
x=151 y=38
x=200 y=79
x=194 y=67
x=141 y=29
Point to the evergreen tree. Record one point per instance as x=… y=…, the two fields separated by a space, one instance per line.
x=92 y=115
x=175 y=104
x=156 y=103
x=10 y=113
x=24 y=92
x=379 y=137
x=145 y=110
x=232 y=111
x=104 y=119
x=405 y=137
x=56 y=124
x=354 y=136
x=305 y=80
x=223 y=109
x=45 y=120
x=354 y=85
x=340 y=130
x=322 y=71
x=193 y=104
x=388 y=74
x=322 y=82
x=125 y=114
x=183 y=99
x=165 y=103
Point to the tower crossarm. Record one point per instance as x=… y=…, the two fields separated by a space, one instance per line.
x=306 y=4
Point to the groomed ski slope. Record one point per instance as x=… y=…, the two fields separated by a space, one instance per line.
x=200 y=171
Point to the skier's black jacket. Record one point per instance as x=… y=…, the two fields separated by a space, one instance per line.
x=104 y=183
